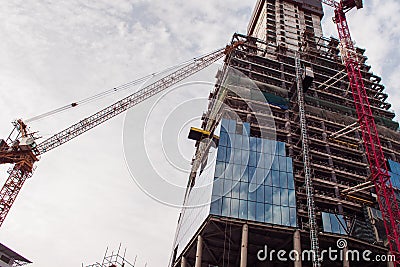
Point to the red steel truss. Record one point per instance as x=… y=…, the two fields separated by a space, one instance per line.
x=377 y=163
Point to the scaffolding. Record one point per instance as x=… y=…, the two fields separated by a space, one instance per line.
x=113 y=260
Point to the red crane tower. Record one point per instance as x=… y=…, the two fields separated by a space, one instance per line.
x=21 y=149
x=377 y=163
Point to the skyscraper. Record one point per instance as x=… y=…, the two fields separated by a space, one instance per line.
x=248 y=193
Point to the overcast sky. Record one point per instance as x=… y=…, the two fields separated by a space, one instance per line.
x=82 y=197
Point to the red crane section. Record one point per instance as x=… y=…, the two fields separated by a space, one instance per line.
x=377 y=163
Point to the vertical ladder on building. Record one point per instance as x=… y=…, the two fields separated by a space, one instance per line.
x=307 y=169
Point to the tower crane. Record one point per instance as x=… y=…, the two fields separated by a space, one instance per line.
x=22 y=150
x=377 y=164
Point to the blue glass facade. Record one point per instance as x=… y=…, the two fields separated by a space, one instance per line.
x=246 y=177
x=394 y=173
x=334 y=223
x=253 y=178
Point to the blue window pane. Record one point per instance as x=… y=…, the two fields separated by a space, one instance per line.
x=285 y=216
x=246 y=128
x=226 y=206
x=243 y=209
x=219 y=169
x=238 y=141
x=276 y=214
x=260 y=212
x=229 y=156
x=228 y=140
x=232 y=126
x=245 y=142
x=268 y=194
x=275 y=178
x=334 y=224
x=280 y=148
x=268 y=161
x=228 y=171
x=290 y=181
x=237 y=156
x=221 y=153
x=260 y=194
x=282 y=163
x=292 y=198
x=252 y=194
x=276 y=196
x=224 y=123
x=252 y=210
x=216 y=206
x=259 y=163
x=245 y=157
x=235 y=208
x=275 y=163
x=251 y=174
x=260 y=176
x=284 y=197
x=223 y=138
x=228 y=188
x=245 y=174
x=342 y=225
x=326 y=222
x=289 y=164
x=283 y=179
x=244 y=190
x=253 y=144
x=236 y=174
x=259 y=144
x=252 y=158
x=268 y=177
x=293 y=217
x=218 y=187
x=268 y=213
x=236 y=190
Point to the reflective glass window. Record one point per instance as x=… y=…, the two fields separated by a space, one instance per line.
x=326 y=222
x=245 y=157
x=292 y=198
x=289 y=164
x=275 y=178
x=251 y=210
x=284 y=197
x=268 y=213
x=216 y=206
x=228 y=187
x=246 y=128
x=282 y=163
x=275 y=163
x=237 y=156
x=236 y=190
x=244 y=190
x=238 y=141
x=236 y=175
x=292 y=217
x=219 y=169
x=253 y=143
x=234 y=208
x=260 y=193
x=334 y=224
x=285 y=216
x=290 y=180
x=276 y=195
x=223 y=138
x=232 y=126
x=221 y=153
x=259 y=144
x=218 y=187
x=283 y=179
x=243 y=209
x=252 y=158
x=226 y=206
x=260 y=212
x=268 y=194
x=276 y=214
x=251 y=174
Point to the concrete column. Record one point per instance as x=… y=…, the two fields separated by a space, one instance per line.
x=346 y=262
x=199 y=251
x=297 y=247
x=183 y=261
x=243 y=249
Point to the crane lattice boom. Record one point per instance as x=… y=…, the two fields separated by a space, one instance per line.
x=377 y=163
x=23 y=151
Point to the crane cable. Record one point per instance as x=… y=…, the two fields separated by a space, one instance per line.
x=108 y=92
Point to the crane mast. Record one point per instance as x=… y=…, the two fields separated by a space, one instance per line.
x=21 y=149
x=386 y=196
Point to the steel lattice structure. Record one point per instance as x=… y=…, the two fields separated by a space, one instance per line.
x=23 y=152
x=377 y=163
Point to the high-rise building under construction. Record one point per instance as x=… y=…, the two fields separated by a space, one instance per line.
x=282 y=169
